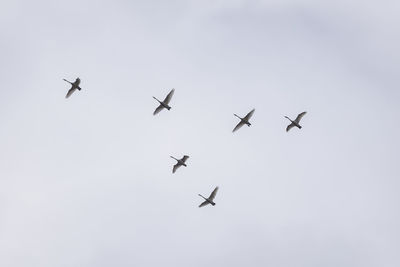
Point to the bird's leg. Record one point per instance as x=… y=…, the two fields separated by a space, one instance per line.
x=175 y=158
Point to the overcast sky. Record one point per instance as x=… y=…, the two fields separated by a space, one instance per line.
x=87 y=181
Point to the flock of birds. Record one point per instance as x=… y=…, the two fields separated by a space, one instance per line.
x=182 y=162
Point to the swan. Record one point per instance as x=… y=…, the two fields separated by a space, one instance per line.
x=210 y=199
x=296 y=122
x=164 y=104
x=74 y=86
x=244 y=120
x=180 y=162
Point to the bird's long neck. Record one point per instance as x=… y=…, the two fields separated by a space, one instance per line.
x=203 y=197
x=157 y=99
x=238 y=116
x=288 y=118
x=67 y=81
x=174 y=158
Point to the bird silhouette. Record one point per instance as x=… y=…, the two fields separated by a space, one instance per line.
x=210 y=199
x=74 y=86
x=180 y=162
x=244 y=120
x=296 y=122
x=164 y=104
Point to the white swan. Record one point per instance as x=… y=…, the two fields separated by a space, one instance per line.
x=210 y=199
x=74 y=86
x=244 y=120
x=296 y=122
x=180 y=162
x=164 y=104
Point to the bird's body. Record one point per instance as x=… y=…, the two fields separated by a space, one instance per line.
x=244 y=120
x=210 y=199
x=180 y=162
x=74 y=86
x=164 y=104
x=296 y=122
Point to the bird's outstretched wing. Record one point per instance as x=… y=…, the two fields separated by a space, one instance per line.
x=176 y=166
x=298 y=118
x=169 y=96
x=238 y=126
x=249 y=115
x=158 y=109
x=185 y=158
x=290 y=126
x=213 y=194
x=70 y=92
x=204 y=204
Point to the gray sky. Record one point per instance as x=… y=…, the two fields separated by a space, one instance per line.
x=87 y=181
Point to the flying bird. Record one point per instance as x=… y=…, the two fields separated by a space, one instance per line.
x=296 y=122
x=244 y=120
x=74 y=86
x=180 y=162
x=164 y=104
x=210 y=199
